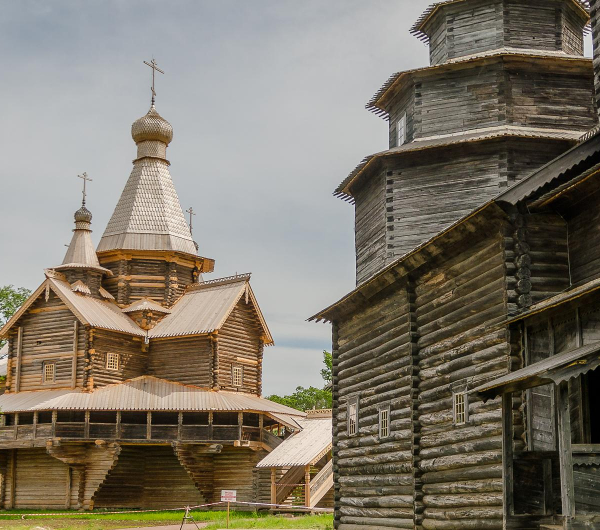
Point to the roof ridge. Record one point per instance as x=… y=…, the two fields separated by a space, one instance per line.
x=219 y=281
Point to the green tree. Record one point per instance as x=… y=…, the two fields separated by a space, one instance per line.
x=11 y=298
x=311 y=397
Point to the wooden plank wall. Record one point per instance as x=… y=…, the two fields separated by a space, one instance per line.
x=186 y=360
x=587 y=486
x=584 y=240
x=370 y=227
x=374 y=363
x=239 y=344
x=404 y=102
x=458 y=304
x=133 y=361
x=48 y=333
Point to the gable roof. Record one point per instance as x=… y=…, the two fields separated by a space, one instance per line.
x=305 y=447
x=145 y=304
x=89 y=311
x=205 y=307
x=143 y=393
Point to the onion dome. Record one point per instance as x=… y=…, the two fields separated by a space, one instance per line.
x=83 y=215
x=152 y=127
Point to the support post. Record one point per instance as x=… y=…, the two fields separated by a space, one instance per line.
x=19 y=356
x=74 y=361
x=507 y=455
x=13 y=478
x=307 y=486
x=565 y=455
x=273 y=485
x=86 y=426
x=148 y=425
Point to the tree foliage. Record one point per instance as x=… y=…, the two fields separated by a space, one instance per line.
x=311 y=397
x=11 y=298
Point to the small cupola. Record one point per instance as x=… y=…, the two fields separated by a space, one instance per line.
x=146 y=313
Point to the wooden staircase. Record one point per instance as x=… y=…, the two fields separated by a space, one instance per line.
x=321 y=483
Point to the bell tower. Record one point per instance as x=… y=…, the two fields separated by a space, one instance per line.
x=508 y=89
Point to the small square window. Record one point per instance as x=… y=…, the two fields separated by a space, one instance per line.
x=352 y=418
x=49 y=372
x=461 y=408
x=237 y=376
x=112 y=361
x=401 y=131
x=384 y=423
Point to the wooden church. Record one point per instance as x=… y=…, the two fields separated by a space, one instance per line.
x=465 y=381
x=132 y=381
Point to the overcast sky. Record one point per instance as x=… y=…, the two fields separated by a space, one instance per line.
x=266 y=98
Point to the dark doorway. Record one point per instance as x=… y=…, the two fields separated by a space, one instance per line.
x=593 y=392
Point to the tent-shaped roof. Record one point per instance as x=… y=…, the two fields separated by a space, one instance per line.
x=303 y=448
x=205 y=307
x=90 y=311
x=142 y=394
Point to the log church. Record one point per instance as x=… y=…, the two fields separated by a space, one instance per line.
x=131 y=380
x=465 y=361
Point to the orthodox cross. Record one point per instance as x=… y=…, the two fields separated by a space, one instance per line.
x=152 y=64
x=86 y=179
x=190 y=210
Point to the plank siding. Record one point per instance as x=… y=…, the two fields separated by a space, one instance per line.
x=374 y=364
x=584 y=240
x=370 y=226
x=48 y=335
x=239 y=344
x=186 y=360
x=458 y=31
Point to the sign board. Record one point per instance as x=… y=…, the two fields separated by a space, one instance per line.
x=228 y=495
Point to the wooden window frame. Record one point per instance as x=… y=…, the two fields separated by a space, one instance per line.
x=352 y=413
x=111 y=366
x=401 y=128
x=460 y=408
x=45 y=372
x=236 y=368
x=384 y=422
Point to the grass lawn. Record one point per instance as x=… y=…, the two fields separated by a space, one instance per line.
x=97 y=521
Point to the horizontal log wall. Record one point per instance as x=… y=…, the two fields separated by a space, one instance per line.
x=147 y=477
x=133 y=361
x=403 y=103
x=239 y=344
x=374 y=364
x=457 y=306
x=234 y=469
x=48 y=336
x=186 y=360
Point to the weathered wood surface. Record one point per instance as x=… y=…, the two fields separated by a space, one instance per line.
x=186 y=360
x=133 y=362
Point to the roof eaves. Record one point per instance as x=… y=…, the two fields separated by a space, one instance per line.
x=19 y=313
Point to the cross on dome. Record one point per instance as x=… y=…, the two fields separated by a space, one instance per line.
x=152 y=64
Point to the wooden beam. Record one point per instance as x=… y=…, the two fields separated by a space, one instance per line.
x=565 y=455
x=19 y=355
x=273 y=485
x=507 y=455
x=307 y=486
x=69 y=486
x=74 y=362
x=13 y=478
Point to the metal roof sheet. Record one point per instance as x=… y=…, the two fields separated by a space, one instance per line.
x=490 y=133
x=143 y=394
x=97 y=313
x=145 y=304
x=302 y=448
x=555 y=369
x=205 y=307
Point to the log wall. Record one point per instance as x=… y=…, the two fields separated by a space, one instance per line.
x=133 y=362
x=147 y=477
x=239 y=344
x=187 y=360
x=48 y=335
x=584 y=240
x=459 y=305
x=374 y=363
